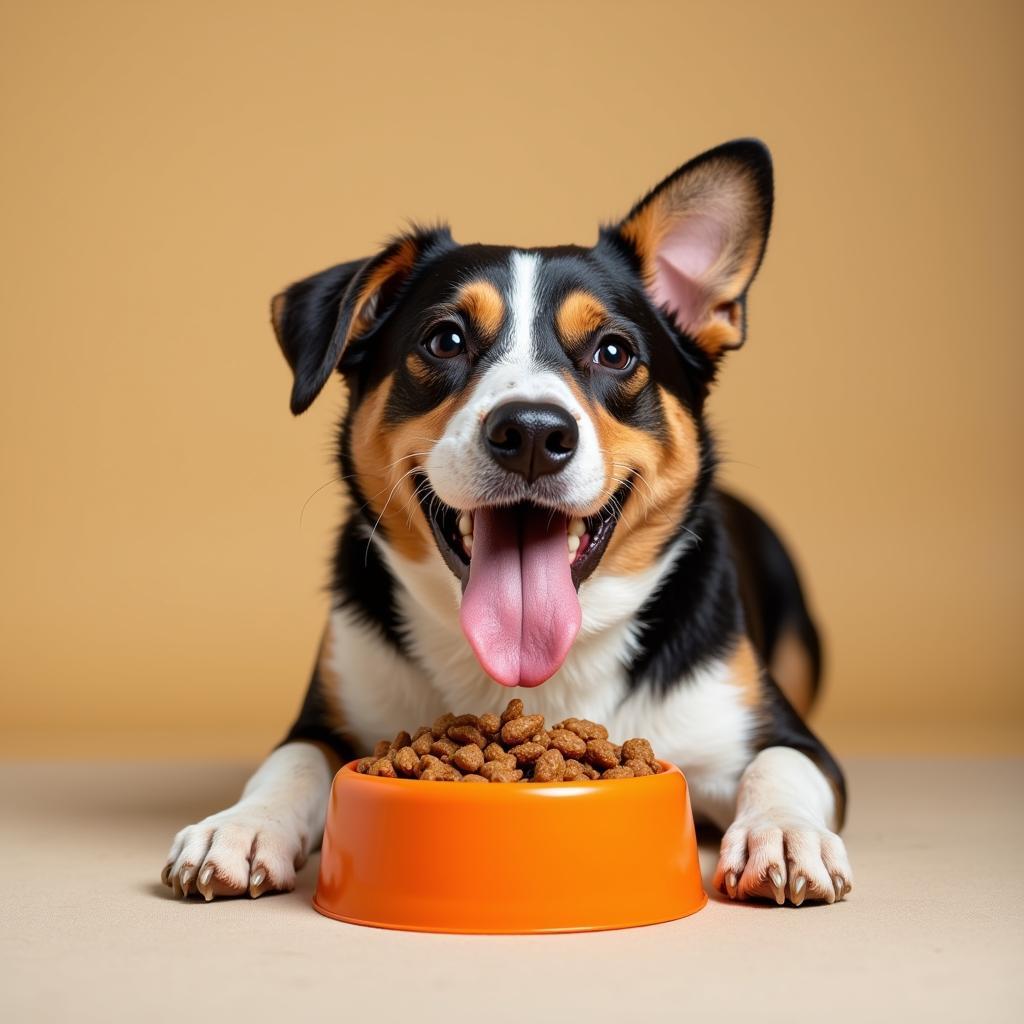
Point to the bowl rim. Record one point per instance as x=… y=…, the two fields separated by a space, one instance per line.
x=668 y=769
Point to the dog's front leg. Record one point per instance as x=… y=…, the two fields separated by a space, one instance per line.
x=783 y=842
x=257 y=845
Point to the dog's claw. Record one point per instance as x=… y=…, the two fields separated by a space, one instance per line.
x=841 y=889
x=186 y=878
x=777 y=885
x=165 y=875
x=730 y=884
x=256 y=880
x=798 y=890
x=203 y=882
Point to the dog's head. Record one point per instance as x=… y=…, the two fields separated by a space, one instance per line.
x=534 y=416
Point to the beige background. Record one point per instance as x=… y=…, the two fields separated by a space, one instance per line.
x=168 y=167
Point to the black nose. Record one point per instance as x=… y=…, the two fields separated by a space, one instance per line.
x=530 y=439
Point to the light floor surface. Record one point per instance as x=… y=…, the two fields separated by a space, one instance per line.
x=934 y=929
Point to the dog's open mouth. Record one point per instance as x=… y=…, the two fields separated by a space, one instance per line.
x=520 y=566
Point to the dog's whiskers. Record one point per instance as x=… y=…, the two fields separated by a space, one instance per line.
x=369 y=540
x=404 y=458
x=650 y=490
x=412 y=499
x=333 y=480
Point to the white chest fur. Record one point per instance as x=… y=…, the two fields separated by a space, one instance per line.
x=701 y=723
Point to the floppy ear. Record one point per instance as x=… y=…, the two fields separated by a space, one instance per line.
x=699 y=238
x=318 y=320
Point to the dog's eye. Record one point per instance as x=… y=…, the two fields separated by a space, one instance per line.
x=446 y=343
x=614 y=354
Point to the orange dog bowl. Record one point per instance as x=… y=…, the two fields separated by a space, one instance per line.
x=536 y=857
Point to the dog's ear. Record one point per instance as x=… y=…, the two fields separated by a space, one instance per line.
x=699 y=237
x=319 y=320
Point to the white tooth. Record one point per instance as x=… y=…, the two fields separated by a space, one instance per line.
x=465 y=524
x=577 y=528
x=574 y=544
x=467 y=543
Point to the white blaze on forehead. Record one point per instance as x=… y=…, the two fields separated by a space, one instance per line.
x=522 y=302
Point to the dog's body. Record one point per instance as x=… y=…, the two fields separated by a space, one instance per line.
x=533 y=502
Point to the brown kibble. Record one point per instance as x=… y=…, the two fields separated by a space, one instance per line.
x=514 y=710
x=443 y=747
x=440 y=726
x=568 y=743
x=488 y=724
x=384 y=768
x=587 y=730
x=469 y=758
x=499 y=755
x=495 y=771
x=463 y=734
x=601 y=754
x=406 y=760
x=638 y=766
x=510 y=747
x=520 y=729
x=441 y=773
x=550 y=766
x=526 y=753
x=638 y=749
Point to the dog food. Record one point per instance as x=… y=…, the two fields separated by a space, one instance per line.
x=514 y=747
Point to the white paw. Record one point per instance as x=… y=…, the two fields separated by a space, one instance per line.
x=777 y=860
x=245 y=849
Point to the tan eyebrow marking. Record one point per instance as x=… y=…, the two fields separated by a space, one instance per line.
x=578 y=317
x=482 y=302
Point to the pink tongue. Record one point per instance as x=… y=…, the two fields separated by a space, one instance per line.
x=520 y=611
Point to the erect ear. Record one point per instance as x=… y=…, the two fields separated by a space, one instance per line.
x=699 y=237
x=319 y=320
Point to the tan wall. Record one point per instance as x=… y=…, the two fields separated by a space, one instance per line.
x=167 y=167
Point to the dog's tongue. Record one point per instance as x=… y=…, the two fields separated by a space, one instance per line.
x=520 y=611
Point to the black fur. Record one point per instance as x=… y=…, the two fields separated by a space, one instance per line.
x=313 y=723
x=770 y=588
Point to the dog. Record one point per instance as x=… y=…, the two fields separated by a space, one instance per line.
x=533 y=504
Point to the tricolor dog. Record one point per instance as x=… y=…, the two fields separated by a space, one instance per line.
x=533 y=504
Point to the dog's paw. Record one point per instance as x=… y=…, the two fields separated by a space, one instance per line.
x=772 y=860
x=243 y=850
